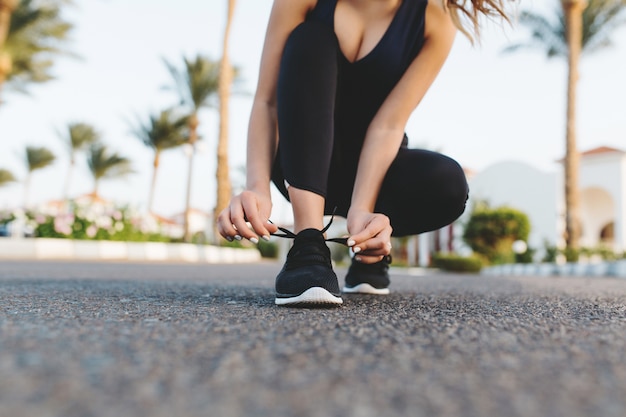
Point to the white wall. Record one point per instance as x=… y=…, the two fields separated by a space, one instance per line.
x=603 y=172
x=524 y=188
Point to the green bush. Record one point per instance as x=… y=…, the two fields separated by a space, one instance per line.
x=268 y=249
x=606 y=253
x=571 y=254
x=491 y=232
x=550 y=252
x=339 y=253
x=237 y=244
x=526 y=257
x=457 y=263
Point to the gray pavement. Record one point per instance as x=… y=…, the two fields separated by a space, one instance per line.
x=123 y=339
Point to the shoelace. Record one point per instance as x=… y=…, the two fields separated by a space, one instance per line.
x=286 y=233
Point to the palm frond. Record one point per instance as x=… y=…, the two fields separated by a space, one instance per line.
x=38 y=158
x=104 y=164
x=600 y=19
x=163 y=131
x=548 y=33
x=6 y=177
x=79 y=136
x=35 y=36
x=197 y=82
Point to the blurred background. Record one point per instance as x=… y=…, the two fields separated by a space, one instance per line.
x=110 y=65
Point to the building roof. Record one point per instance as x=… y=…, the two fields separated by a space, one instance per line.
x=601 y=150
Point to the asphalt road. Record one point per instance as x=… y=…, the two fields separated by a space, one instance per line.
x=120 y=339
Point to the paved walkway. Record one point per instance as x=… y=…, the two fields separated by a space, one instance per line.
x=114 y=339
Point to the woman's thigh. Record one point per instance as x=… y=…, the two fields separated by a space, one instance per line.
x=422 y=191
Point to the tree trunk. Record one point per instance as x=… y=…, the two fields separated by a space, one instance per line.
x=193 y=138
x=27 y=189
x=225 y=80
x=96 y=186
x=155 y=168
x=573 y=10
x=68 y=179
x=6 y=9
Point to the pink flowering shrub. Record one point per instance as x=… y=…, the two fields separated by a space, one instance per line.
x=94 y=222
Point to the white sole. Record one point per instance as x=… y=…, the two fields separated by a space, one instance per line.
x=365 y=289
x=312 y=296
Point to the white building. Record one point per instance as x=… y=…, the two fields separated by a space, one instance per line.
x=539 y=194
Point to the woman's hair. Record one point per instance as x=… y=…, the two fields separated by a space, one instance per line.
x=470 y=11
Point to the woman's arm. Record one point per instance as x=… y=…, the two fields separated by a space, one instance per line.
x=254 y=204
x=386 y=131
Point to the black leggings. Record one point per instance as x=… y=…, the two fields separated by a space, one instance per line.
x=422 y=190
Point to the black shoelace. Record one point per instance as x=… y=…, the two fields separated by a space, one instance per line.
x=286 y=233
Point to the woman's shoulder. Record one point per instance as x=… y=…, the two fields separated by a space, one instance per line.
x=295 y=5
x=438 y=14
x=439 y=4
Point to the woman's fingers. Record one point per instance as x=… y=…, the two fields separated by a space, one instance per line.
x=374 y=239
x=224 y=222
x=257 y=221
x=246 y=217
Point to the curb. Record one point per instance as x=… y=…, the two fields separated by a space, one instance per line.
x=66 y=249
x=615 y=269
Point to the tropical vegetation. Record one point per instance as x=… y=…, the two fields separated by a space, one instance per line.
x=90 y=221
x=32 y=33
x=164 y=131
x=104 y=164
x=490 y=232
x=36 y=158
x=227 y=72
x=77 y=138
x=6 y=177
x=457 y=263
x=196 y=84
x=575 y=28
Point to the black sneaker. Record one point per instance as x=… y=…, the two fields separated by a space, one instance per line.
x=368 y=278
x=308 y=279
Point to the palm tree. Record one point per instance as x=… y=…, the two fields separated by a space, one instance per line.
x=6 y=9
x=30 y=34
x=224 y=187
x=79 y=136
x=36 y=158
x=162 y=132
x=6 y=177
x=196 y=84
x=104 y=164
x=578 y=27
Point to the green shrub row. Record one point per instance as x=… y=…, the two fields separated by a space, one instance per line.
x=457 y=263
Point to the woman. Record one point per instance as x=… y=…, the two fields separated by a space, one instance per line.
x=338 y=82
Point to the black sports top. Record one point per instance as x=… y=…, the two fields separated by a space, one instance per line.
x=364 y=84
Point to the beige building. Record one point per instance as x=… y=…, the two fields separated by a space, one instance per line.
x=540 y=195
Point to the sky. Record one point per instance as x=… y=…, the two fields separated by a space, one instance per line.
x=485 y=107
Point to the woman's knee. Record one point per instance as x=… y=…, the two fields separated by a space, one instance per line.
x=311 y=43
x=455 y=189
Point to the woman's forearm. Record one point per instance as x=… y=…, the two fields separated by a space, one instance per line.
x=379 y=150
x=261 y=149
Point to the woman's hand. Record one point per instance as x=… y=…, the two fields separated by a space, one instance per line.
x=370 y=235
x=247 y=216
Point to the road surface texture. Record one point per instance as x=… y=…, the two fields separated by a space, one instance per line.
x=122 y=339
